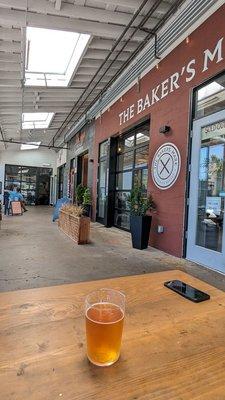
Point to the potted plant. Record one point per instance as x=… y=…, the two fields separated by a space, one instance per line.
x=140 y=223
x=87 y=202
x=74 y=224
x=80 y=189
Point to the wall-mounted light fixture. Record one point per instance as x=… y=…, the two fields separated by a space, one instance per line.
x=164 y=129
x=187 y=39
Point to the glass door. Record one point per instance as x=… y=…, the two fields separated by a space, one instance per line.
x=131 y=170
x=61 y=171
x=102 y=182
x=206 y=237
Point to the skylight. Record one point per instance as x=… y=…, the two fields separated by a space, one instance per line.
x=36 y=120
x=30 y=146
x=52 y=56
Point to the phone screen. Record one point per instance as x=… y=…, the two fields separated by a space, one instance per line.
x=187 y=291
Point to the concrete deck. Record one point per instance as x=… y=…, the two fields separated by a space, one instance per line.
x=34 y=253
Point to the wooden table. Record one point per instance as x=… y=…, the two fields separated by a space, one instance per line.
x=172 y=348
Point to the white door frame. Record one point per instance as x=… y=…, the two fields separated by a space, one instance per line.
x=198 y=254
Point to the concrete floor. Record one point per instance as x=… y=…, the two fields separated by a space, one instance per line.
x=34 y=253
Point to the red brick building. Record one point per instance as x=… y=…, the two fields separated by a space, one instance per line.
x=181 y=95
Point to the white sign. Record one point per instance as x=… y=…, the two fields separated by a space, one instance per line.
x=187 y=72
x=213 y=204
x=166 y=166
x=213 y=130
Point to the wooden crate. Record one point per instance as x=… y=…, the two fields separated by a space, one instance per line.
x=77 y=228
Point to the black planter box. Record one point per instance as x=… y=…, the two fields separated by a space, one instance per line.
x=140 y=229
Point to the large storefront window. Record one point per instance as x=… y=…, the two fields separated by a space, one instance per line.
x=34 y=182
x=131 y=169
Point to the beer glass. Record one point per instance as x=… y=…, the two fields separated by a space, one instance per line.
x=104 y=314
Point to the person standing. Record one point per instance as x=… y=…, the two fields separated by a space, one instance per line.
x=21 y=199
x=6 y=201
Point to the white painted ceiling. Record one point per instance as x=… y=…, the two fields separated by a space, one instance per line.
x=105 y=20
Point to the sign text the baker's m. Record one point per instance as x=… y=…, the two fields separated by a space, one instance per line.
x=185 y=74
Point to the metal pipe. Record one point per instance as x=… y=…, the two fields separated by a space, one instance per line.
x=147 y=16
x=3 y=139
x=139 y=48
x=41 y=145
x=106 y=59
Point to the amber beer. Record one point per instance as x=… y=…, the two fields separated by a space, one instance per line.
x=104 y=326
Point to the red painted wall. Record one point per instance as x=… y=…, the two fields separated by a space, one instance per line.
x=172 y=110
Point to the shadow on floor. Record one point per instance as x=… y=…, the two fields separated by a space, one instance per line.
x=34 y=253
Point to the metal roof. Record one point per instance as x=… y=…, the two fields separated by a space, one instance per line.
x=118 y=29
x=190 y=15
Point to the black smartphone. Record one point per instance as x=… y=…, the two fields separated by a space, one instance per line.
x=187 y=291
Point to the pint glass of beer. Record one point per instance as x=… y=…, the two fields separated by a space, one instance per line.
x=104 y=313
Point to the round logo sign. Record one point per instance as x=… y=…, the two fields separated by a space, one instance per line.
x=166 y=166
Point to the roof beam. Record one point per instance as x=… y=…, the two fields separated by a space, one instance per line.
x=10 y=47
x=16 y=18
x=58 y=4
x=106 y=44
x=17 y=109
x=10 y=34
x=10 y=82
x=91 y=62
x=72 y=11
x=10 y=75
x=15 y=58
x=102 y=54
x=39 y=90
x=6 y=66
x=134 y=4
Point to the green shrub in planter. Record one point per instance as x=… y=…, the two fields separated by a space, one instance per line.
x=87 y=202
x=80 y=189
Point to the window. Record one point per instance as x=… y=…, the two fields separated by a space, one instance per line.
x=30 y=146
x=125 y=161
x=210 y=98
x=52 y=56
x=36 y=120
x=141 y=157
x=29 y=180
x=131 y=169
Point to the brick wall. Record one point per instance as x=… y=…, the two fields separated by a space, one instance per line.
x=173 y=110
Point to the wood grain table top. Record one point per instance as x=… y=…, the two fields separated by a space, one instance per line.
x=172 y=349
